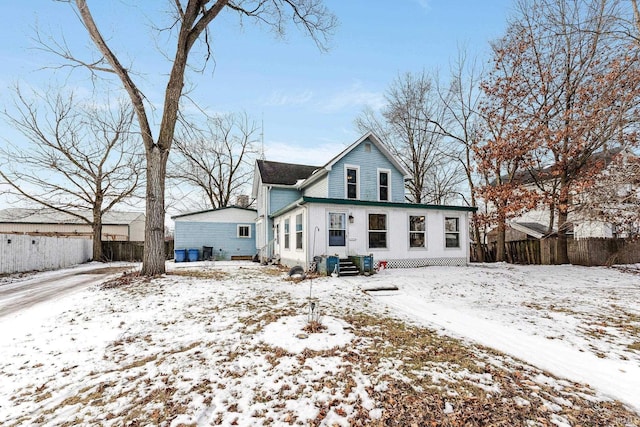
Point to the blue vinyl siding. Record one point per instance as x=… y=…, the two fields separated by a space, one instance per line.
x=223 y=237
x=281 y=197
x=369 y=163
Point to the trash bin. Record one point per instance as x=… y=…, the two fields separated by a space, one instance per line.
x=207 y=252
x=193 y=255
x=333 y=265
x=180 y=255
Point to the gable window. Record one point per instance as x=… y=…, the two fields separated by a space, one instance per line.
x=417 y=231
x=244 y=231
x=351 y=175
x=299 y=231
x=452 y=232
x=286 y=233
x=377 y=230
x=337 y=229
x=383 y=185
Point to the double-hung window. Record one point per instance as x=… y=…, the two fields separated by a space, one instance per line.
x=286 y=233
x=383 y=185
x=351 y=182
x=377 y=230
x=299 y=231
x=417 y=231
x=452 y=232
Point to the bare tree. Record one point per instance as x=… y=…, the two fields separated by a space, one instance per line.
x=407 y=127
x=77 y=156
x=192 y=18
x=217 y=160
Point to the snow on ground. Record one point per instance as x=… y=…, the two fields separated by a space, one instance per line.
x=576 y=322
x=222 y=344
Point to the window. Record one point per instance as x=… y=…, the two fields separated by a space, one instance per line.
x=244 y=231
x=417 y=232
x=299 y=231
x=352 y=183
x=277 y=234
x=452 y=232
x=383 y=185
x=337 y=229
x=377 y=231
x=286 y=233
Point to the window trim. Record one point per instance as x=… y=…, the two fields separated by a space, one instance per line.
x=300 y=232
x=424 y=232
x=346 y=182
x=386 y=230
x=287 y=233
x=388 y=172
x=457 y=232
x=240 y=226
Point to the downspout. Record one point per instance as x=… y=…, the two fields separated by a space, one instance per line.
x=267 y=215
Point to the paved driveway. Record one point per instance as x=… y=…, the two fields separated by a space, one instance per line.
x=27 y=292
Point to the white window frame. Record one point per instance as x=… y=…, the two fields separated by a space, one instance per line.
x=458 y=232
x=386 y=230
x=241 y=226
x=346 y=182
x=343 y=229
x=287 y=233
x=300 y=232
x=388 y=172
x=424 y=232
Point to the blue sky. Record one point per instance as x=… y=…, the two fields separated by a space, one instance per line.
x=307 y=99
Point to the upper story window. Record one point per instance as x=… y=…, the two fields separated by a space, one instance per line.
x=244 y=231
x=383 y=185
x=452 y=232
x=352 y=182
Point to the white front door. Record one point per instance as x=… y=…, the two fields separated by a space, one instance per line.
x=337 y=238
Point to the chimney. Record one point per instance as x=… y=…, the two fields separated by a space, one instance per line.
x=242 y=200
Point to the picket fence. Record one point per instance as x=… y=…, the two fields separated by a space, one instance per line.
x=20 y=252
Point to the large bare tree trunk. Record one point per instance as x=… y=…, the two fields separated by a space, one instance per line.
x=500 y=252
x=96 y=228
x=562 y=254
x=154 y=256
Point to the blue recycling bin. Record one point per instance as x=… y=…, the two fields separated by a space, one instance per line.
x=180 y=255
x=193 y=255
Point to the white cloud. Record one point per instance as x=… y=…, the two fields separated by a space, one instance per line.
x=354 y=96
x=424 y=4
x=280 y=99
x=279 y=151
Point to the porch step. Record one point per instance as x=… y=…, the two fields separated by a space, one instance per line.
x=348 y=268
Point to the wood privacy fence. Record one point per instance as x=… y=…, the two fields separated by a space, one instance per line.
x=22 y=252
x=130 y=251
x=587 y=252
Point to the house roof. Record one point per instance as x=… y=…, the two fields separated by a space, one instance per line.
x=277 y=173
x=303 y=200
x=212 y=210
x=533 y=229
x=51 y=216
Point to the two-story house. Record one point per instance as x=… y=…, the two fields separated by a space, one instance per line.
x=353 y=205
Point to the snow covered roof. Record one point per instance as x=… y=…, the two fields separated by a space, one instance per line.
x=51 y=216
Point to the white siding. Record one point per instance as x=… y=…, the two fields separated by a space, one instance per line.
x=20 y=253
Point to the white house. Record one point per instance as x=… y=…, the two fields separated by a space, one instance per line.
x=353 y=206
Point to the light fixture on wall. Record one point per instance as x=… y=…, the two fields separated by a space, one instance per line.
x=350 y=218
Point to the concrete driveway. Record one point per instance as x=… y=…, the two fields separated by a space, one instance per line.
x=21 y=293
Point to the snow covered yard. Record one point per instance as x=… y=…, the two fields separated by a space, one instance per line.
x=223 y=344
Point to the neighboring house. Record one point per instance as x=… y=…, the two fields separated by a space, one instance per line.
x=116 y=226
x=228 y=232
x=581 y=224
x=353 y=206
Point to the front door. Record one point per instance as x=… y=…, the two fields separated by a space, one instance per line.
x=337 y=234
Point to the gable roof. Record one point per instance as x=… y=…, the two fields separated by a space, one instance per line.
x=212 y=210
x=278 y=173
x=51 y=216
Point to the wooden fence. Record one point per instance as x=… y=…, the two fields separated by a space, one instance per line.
x=21 y=252
x=588 y=252
x=130 y=251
